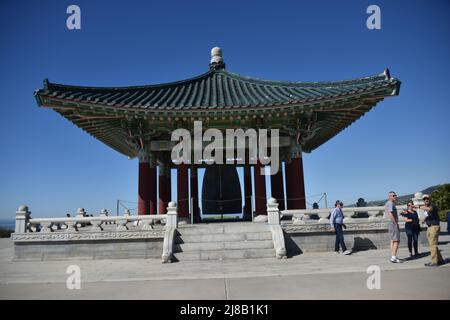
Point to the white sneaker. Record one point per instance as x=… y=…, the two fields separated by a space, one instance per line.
x=394 y=260
x=347 y=252
x=336 y=252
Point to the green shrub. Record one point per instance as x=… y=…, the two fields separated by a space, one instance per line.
x=441 y=198
x=5 y=233
x=443 y=215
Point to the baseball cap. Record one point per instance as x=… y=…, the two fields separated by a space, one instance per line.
x=425 y=196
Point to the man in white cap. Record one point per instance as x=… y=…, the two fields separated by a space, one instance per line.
x=432 y=221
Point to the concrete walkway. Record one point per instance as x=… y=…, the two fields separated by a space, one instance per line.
x=307 y=276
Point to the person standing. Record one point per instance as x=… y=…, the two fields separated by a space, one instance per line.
x=432 y=221
x=337 y=223
x=393 y=228
x=412 y=228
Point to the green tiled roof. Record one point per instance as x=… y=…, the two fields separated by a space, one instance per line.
x=216 y=89
x=123 y=117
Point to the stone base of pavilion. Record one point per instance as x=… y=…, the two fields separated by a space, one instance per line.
x=88 y=245
x=149 y=244
x=284 y=233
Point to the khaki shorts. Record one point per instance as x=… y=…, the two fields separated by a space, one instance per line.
x=394 y=232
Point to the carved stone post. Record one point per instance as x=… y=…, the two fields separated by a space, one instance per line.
x=97 y=221
x=169 y=234
x=80 y=214
x=22 y=217
x=172 y=217
x=273 y=212
x=273 y=216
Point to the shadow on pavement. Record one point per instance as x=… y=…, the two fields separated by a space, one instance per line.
x=419 y=256
x=362 y=244
x=292 y=248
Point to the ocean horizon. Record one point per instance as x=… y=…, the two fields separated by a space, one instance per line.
x=7 y=224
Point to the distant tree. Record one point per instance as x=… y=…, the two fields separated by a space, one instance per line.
x=361 y=203
x=441 y=198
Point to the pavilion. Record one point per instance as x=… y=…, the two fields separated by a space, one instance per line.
x=137 y=121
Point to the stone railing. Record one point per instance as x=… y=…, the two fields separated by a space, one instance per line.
x=26 y=224
x=102 y=227
x=303 y=216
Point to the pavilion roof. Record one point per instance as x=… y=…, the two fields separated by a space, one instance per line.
x=216 y=89
x=124 y=117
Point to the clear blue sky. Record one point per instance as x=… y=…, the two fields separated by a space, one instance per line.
x=54 y=167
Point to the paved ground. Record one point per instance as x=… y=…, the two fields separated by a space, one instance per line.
x=307 y=276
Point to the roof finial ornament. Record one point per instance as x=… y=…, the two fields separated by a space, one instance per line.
x=216 y=59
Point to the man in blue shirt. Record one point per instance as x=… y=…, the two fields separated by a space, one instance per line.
x=337 y=222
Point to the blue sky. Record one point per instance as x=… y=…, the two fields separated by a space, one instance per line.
x=54 y=167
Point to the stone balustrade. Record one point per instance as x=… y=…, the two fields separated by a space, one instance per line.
x=303 y=216
x=81 y=222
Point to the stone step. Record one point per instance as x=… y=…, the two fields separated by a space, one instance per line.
x=225 y=254
x=218 y=246
x=223 y=228
x=223 y=237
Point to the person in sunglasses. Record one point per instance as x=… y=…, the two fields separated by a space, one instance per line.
x=394 y=230
x=412 y=227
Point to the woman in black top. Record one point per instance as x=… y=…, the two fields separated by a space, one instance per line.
x=412 y=228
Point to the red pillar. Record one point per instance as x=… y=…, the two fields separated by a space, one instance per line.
x=144 y=188
x=295 y=184
x=182 y=190
x=164 y=189
x=152 y=191
x=247 y=192
x=260 y=189
x=194 y=193
x=276 y=184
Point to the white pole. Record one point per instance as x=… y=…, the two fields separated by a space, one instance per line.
x=191 y=209
x=251 y=206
